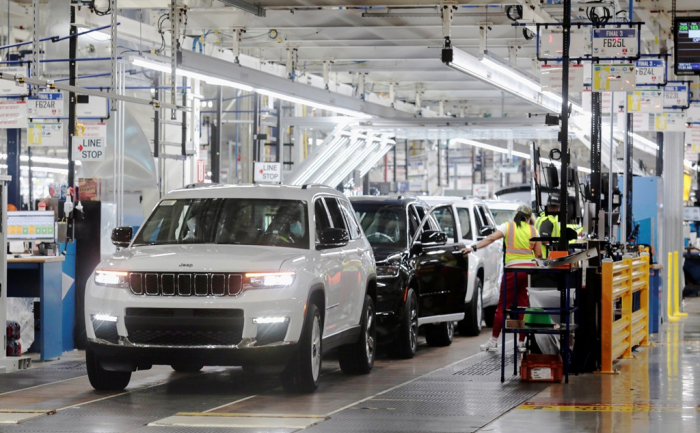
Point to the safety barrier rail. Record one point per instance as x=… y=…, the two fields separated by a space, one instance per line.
x=673 y=296
x=623 y=329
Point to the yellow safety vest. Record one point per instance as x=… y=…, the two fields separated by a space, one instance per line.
x=554 y=219
x=518 y=245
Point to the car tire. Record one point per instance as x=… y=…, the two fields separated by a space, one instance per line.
x=489 y=315
x=187 y=368
x=304 y=370
x=358 y=358
x=101 y=379
x=470 y=326
x=406 y=342
x=440 y=334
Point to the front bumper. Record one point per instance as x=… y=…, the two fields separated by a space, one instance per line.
x=131 y=358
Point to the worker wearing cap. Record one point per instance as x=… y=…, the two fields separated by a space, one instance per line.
x=520 y=252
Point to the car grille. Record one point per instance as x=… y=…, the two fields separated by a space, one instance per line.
x=171 y=284
x=183 y=327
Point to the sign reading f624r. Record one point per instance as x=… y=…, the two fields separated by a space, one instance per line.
x=89 y=148
x=268 y=172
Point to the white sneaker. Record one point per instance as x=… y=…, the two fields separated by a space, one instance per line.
x=491 y=345
x=521 y=347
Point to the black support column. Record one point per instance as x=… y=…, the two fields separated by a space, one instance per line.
x=564 y=134
x=596 y=157
x=72 y=114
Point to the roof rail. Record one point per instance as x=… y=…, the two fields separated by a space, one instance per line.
x=201 y=185
x=315 y=185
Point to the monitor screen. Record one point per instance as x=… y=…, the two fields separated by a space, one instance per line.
x=30 y=226
x=687 y=46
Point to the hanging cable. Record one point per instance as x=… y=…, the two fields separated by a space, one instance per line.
x=598 y=15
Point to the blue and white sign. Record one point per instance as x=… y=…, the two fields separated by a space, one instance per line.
x=46 y=104
x=621 y=43
x=675 y=96
x=651 y=72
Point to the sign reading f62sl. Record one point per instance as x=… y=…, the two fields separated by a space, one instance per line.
x=615 y=43
x=268 y=172
x=89 y=148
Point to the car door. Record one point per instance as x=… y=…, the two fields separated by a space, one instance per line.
x=330 y=266
x=355 y=269
x=441 y=270
x=492 y=254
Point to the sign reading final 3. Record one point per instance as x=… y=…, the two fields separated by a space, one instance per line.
x=615 y=43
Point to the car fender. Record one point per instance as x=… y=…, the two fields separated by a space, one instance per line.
x=475 y=262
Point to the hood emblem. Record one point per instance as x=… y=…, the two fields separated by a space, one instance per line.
x=186 y=265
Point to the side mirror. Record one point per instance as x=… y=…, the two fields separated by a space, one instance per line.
x=486 y=231
x=433 y=238
x=121 y=236
x=333 y=238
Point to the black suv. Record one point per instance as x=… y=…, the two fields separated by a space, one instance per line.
x=421 y=273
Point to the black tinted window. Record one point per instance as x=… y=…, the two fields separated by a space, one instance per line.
x=322 y=221
x=353 y=228
x=465 y=223
x=384 y=225
x=336 y=213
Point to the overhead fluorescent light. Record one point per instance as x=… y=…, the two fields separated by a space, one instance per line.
x=97 y=35
x=63 y=171
x=308 y=103
x=512 y=74
x=514 y=153
x=246 y=6
x=162 y=67
x=373 y=159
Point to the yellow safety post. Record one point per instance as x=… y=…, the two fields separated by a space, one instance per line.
x=640 y=318
x=669 y=294
x=676 y=288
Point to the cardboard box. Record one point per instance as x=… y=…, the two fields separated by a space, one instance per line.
x=511 y=323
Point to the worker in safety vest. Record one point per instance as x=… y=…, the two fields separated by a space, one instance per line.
x=519 y=252
x=547 y=223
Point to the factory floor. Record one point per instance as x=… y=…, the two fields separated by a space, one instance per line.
x=453 y=389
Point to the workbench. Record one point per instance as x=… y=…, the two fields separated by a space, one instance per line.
x=571 y=280
x=40 y=277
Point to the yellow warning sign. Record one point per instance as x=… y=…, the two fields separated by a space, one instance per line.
x=642 y=407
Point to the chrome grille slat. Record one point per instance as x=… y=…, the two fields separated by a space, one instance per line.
x=218 y=284
x=201 y=284
x=184 y=285
x=152 y=288
x=167 y=284
x=176 y=284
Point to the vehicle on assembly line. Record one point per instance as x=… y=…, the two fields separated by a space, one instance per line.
x=503 y=211
x=264 y=277
x=485 y=265
x=421 y=272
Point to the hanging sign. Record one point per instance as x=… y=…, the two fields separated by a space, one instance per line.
x=48 y=134
x=640 y=122
x=670 y=122
x=8 y=87
x=645 y=101
x=13 y=114
x=268 y=172
x=97 y=107
x=651 y=72
x=614 y=77
x=481 y=190
x=676 y=96
x=551 y=78
x=615 y=43
x=551 y=42
x=693 y=113
x=94 y=130
x=47 y=104
x=89 y=149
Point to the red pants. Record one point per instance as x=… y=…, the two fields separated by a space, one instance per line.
x=523 y=300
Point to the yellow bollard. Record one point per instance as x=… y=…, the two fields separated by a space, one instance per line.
x=669 y=293
x=676 y=289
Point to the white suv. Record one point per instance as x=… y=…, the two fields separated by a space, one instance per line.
x=485 y=265
x=266 y=277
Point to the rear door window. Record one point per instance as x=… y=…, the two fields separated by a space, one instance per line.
x=446 y=220
x=465 y=221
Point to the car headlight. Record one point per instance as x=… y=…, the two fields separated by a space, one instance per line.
x=268 y=280
x=112 y=279
x=388 y=270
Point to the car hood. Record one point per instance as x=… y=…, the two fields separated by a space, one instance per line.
x=201 y=258
x=383 y=253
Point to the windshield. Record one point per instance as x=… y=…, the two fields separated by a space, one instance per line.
x=384 y=225
x=268 y=222
x=502 y=216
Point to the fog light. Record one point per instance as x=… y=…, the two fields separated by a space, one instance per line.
x=105 y=318
x=269 y=320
